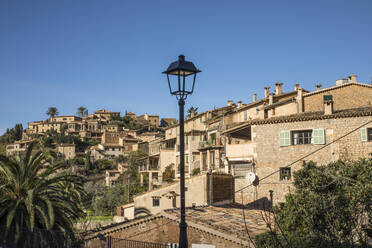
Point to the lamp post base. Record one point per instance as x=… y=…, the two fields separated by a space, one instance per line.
x=183 y=243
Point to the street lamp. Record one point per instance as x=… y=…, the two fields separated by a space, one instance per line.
x=181 y=76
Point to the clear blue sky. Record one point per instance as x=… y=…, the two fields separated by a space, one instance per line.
x=110 y=54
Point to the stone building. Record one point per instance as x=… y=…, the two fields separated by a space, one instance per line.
x=274 y=148
x=201 y=190
x=68 y=151
x=17 y=147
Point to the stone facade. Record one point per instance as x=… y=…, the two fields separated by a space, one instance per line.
x=269 y=156
x=201 y=190
x=345 y=96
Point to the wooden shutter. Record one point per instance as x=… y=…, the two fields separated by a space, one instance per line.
x=318 y=136
x=285 y=138
x=363 y=134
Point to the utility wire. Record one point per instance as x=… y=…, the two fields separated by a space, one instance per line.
x=309 y=154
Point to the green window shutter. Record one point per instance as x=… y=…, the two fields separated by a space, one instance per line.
x=187 y=140
x=363 y=134
x=285 y=138
x=318 y=136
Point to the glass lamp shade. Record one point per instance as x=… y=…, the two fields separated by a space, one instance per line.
x=181 y=77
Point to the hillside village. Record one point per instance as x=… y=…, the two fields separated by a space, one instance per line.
x=240 y=153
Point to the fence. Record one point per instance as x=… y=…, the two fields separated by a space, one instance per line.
x=125 y=243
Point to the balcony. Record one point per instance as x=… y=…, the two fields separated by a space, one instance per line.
x=154 y=167
x=211 y=143
x=240 y=150
x=142 y=168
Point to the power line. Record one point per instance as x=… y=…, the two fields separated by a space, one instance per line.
x=309 y=154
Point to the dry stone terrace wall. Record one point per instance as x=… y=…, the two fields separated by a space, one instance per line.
x=271 y=156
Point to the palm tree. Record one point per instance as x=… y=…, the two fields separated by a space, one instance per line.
x=191 y=111
x=52 y=111
x=82 y=111
x=38 y=203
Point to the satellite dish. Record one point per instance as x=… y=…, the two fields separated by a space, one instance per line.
x=250 y=177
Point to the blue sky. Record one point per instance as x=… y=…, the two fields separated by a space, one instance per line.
x=110 y=54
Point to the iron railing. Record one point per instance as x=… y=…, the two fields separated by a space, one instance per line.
x=125 y=243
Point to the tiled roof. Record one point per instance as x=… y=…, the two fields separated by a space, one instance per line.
x=318 y=115
x=336 y=87
x=225 y=221
x=307 y=116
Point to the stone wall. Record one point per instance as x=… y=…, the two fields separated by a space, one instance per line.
x=344 y=97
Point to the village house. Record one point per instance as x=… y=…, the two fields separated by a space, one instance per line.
x=215 y=188
x=103 y=115
x=17 y=147
x=266 y=146
x=68 y=151
x=167 y=122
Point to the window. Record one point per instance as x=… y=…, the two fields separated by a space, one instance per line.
x=201 y=119
x=285 y=173
x=301 y=137
x=126 y=148
x=245 y=115
x=187 y=159
x=187 y=140
x=193 y=138
x=366 y=134
x=155 y=202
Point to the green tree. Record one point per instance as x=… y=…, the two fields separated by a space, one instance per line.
x=87 y=163
x=12 y=134
x=331 y=207
x=52 y=111
x=82 y=111
x=169 y=173
x=38 y=204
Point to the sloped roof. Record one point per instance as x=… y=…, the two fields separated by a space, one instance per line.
x=307 y=116
x=224 y=221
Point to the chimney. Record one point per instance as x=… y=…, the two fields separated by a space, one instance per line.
x=318 y=86
x=352 y=78
x=271 y=99
x=328 y=104
x=240 y=104
x=229 y=102
x=341 y=81
x=267 y=91
x=192 y=113
x=255 y=96
x=278 y=88
x=296 y=87
x=300 y=100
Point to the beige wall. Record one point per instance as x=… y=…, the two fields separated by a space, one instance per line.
x=286 y=109
x=344 y=97
x=167 y=157
x=195 y=193
x=67 y=151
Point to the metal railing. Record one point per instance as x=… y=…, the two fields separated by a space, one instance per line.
x=125 y=243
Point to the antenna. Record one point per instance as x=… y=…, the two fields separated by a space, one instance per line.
x=250 y=177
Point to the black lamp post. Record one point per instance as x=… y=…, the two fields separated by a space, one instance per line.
x=179 y=74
